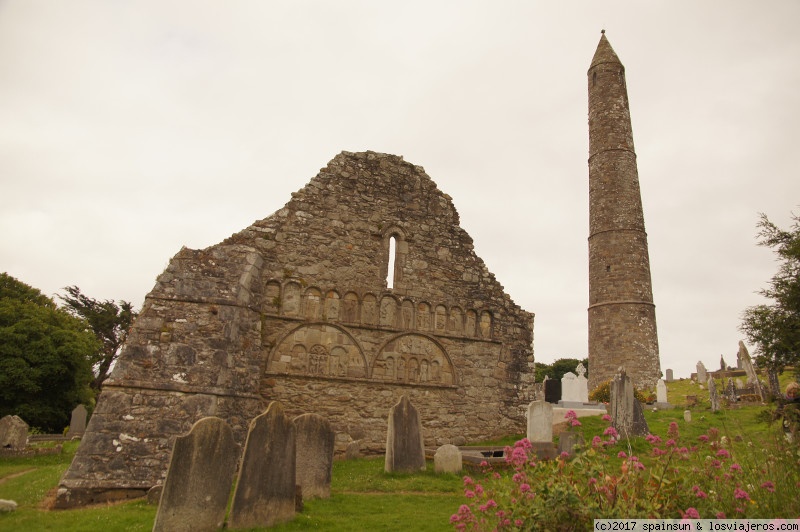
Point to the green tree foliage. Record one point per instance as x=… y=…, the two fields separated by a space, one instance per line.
x=559 y=368
x=775 y=329
x=44 y=357
x=109 y=322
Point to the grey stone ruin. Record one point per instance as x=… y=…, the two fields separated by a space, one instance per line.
x=265 y=489
x=627 y=415
x=713 y=396
x=670 y=376
x=750 y=370
x=447 y=459
x=199 y=478
x=540 y=422
x=722 y=365
x=314 y=455
x=13 y=433
x=405 y=448
x=702 y=374
x=77 y=423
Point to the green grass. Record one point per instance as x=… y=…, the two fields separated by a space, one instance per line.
x=364 y=497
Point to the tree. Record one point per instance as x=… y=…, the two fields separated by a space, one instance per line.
x=108 y=321
x=44 y=357
x=775 y=329
x=559 y=368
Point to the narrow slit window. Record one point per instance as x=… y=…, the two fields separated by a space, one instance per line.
x=390 y=268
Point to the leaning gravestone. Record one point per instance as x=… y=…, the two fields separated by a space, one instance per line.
x=265 y=488
x=627 y=415
x=750 y=370
x=713 y=396
x=405 y=449
x=314 y=455
x=540 y=422
x=77 y=424
x=447 y=459
x=199 y=478
x=13 y=433
x=702 y=374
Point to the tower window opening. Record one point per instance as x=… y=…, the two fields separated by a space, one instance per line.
x=390 y=268
x=608 y=268
x=594 y=78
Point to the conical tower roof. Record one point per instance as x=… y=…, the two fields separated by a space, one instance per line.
x=604 y=53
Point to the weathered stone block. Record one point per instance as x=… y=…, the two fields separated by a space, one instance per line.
x=314 y=455
x=13 y=432
x=405 y=449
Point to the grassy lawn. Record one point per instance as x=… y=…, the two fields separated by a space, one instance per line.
x=363 y=497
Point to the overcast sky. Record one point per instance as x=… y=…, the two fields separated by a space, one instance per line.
x=129 y=129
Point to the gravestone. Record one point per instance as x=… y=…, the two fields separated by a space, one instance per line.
x=13 y=432
x=540 y=422
x=713 y=396
x=265 y=489
x=730 y=391
x=353 y=450
x=687 y=416
x=661 y=395
x=569 y=388
x=314 y=440
x=670 y=376
x=739 y=383
x=702 y=374
x=567 y=441
x=583 y=383
x=447 y=459
x=774 y=385
x=750 y=370
x=627 y=415
x=77 y=424
x=722 y=365
x=552 y=390
x=405 y=449
x=199 y=478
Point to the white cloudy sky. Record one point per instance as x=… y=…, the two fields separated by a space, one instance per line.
x=131 y=128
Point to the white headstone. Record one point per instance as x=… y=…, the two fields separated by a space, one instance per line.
x=583 y=384
x=687 y=415
x=661 y=391
x=447 y=459
x=540 y=421
x=569 y=387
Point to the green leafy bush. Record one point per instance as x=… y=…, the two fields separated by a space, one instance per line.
x=602 y=394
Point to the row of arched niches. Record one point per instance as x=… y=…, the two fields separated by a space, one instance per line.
x=292 y=300
x=323 y=346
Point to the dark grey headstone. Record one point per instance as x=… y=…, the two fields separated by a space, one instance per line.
x=552 y=390
x=567 y=441
x=195 y=492
x=314 y=455
x=265 y=490
x=670 y=377
x=13 y=432
x=627 y=415
x=405 y=449
x=77 y=424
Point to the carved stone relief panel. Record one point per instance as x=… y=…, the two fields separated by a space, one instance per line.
x=413 y=358
x=471 y=321
x=456 y=323
x=312 y=304
x=318 y=349
x=332 y=306
x=424 y=317
x=369 y=310
x=389 y=311
x=350 y=308
x=440 y=323
x=407 y=315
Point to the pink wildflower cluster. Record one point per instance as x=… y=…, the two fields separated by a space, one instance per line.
x=572 y=417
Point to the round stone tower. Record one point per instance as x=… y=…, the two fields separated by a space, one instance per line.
x=622 y=316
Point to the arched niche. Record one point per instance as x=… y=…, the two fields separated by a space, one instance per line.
x=272 y=297
x=390 y=311
x=350 y=308
x=312 y=304
x=413 y=358
x=455 y=324
x=320 y=349
x=291 y=299
x=332 y=306
x=369 y=310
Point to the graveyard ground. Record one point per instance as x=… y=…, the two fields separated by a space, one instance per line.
x=363 y=496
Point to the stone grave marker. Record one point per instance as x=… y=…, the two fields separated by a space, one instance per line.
x=731 y=391
x=670 y=376
x=750 y=370
x=13 y=432
x=569 y=388
x=265 y=489
x=447 y=459
x=722 y=365
x=713 y=396
x=353 y=450
x=195 y=493
x=583 y=383
x=540 y=422
x=661 y=391
x=687 y=416
x=405 y=448
x=552 y=390
x=77 y=424
x=739 y=383
x=702 y=374
x=567 y=441
x=314 y=442
x=627 y=415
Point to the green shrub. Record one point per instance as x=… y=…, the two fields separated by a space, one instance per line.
x=602 y=394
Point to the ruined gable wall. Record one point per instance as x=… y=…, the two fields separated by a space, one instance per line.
x=296 y=308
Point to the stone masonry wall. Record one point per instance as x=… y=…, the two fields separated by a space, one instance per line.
x=297 y=308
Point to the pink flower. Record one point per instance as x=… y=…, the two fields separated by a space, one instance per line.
x=672 y=431
x=596 y=441
x=670 y=443
x=611 y=431
x=703 y=438
x=564 y=455
x=518 y=477
x=525 y=443
x=691 y=513
x=622 y=454
x=720 y=515
x=769 y=486
x=468 y=481
x=606 y=417
x=736 y=467
x=740 y=494
x=653 y=439
x=701 y=494
x=454 y=518
x=524 y=488
x=478 y=490
x=723 y=453
x=519 y=522
x=639 y=466
x=469 y=494
x=575 y=423
x=716 y=463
